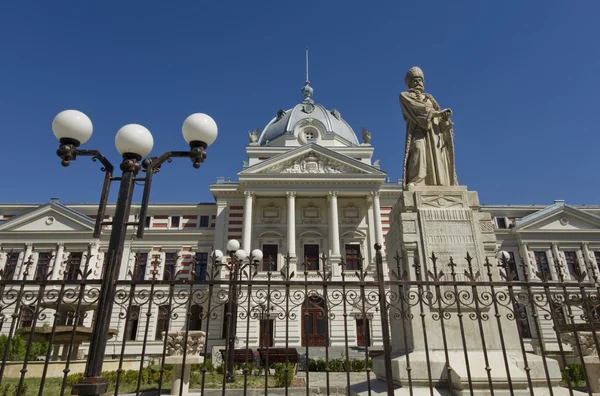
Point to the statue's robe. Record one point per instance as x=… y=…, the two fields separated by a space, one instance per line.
x=429 y=152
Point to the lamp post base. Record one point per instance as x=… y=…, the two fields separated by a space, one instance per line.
x=90 y=387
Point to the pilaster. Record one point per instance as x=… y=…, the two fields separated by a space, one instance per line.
x=247 y=228
x=291 y=229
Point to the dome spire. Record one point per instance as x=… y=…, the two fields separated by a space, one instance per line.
x=307 y=91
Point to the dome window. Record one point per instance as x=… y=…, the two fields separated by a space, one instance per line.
x=308 y=132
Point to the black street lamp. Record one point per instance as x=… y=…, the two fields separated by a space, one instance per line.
x=134 y=142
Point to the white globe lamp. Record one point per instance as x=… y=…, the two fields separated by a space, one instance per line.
x=134 y=139
x=503 y=255
x=240 y=254
x=233 y=245
x=199 y=129
x=257 y=255
x=218 y=255
x=72 y=127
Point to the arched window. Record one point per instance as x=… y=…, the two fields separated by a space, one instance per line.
x=314 y=322
x=27 y=315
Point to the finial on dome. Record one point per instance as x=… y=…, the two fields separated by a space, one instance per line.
x=307 y=90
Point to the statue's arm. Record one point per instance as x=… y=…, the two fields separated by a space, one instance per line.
x=416 y=111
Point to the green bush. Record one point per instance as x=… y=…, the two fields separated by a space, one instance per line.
x=282 y=377
x=5 y=390
x=220 y=369
x=357 y=365
x=336 y=365
x=316 y=365
x=129 y=377
x=72 y=379
x=18 y=348
x=576 y=374
x=110 y=377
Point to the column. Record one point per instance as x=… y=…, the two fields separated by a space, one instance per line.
x=291 y=223
x=95 y=263
x=247 y=231
x=55 y=263
x=372 y=233
x=220 y=224
x=524 y=252
x=26 y=255
x=334 y=231
x=377 y=212
x=2 y=258
x=588 y=261
x=556 y=256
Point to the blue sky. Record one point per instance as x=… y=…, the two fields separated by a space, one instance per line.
x=522 y=78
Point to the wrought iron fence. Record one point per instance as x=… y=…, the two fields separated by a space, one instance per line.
x=304 y=331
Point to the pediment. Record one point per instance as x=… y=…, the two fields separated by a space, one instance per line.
x=52 y=217
x=312 y=160
x=559 y=217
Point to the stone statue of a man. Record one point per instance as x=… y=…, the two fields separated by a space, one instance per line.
x=429 y=150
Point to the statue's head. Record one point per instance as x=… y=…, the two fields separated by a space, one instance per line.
x=415 y=79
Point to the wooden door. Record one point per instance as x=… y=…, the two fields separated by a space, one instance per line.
x=314 y=322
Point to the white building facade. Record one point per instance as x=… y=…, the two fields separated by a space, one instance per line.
x=309 y=187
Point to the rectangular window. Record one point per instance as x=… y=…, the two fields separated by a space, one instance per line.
x=139 y=270
x=353 y=257
x=597 y=256
x=200 y=264
x=175 y=221
x=162 y=322
x=501 y=222
x=195 y=322
x=542 y=263
x=311 y=257
x=170 y=260
x=363 y=333
x=11 y=266
x=269 y=262
x=225 y=321
x=131 y=328
x=266 y=333
x=147 y=221
x=73 y=265
x=204 y=221
x=572 y=264
x=43 y=264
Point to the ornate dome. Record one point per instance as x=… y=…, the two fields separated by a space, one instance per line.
x=309 y=121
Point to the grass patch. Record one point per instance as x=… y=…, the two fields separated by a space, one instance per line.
x=53 y=386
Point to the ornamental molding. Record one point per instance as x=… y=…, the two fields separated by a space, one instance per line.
x=350 y=214
x=271 y=214
x=312 y=163
x=179 y=343
x=311 y=215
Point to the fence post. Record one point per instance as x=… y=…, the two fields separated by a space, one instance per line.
x=385 y=325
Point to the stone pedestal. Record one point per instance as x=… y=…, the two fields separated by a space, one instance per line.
x=448 y=222
x=176 y=348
